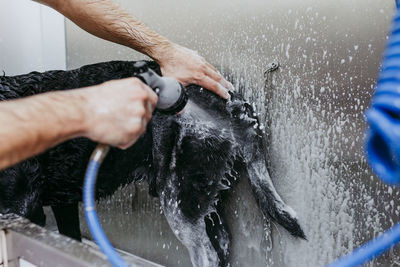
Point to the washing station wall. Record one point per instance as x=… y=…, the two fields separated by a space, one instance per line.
x=313 y=105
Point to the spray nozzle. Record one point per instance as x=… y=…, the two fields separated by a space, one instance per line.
x=172 y=96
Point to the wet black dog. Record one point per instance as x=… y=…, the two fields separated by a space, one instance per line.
x=188 y=160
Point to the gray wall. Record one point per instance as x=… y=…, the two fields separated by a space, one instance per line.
x=329 y=53
x=32 y=37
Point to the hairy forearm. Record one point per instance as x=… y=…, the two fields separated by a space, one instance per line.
x=109 y=21
x=33 y=124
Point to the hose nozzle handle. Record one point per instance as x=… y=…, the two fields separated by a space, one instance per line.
x=172 y=96
x=99 y=153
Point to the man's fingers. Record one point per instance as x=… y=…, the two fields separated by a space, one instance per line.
x=127 y=145
x=215 y=75
x=214 y=86
x=211 y=66
x=151 y=95
x=148 y=112
x=153 y=98
x=149 y=107
x=140 y=112
x=227 y=84
x=137 y=127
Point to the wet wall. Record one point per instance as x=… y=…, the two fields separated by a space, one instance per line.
x=313 y=106
x=32 y=38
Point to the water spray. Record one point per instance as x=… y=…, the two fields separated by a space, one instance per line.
x=172 y=98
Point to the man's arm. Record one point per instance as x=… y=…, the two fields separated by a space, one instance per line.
x=114 y=113
x=109 y=21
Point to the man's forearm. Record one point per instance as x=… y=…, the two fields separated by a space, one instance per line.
x=109 y=21
x=31 y=125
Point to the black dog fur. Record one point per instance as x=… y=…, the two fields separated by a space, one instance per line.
x=187 y=159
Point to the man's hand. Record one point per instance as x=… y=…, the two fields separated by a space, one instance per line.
x=117 y=112
x=188 y=67
x=114 y=113
x=109 y=21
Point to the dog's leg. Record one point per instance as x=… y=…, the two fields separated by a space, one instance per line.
x=20 y=187
x=191 y=232
x=67 y=218
x=38 y=216
x=217 y=231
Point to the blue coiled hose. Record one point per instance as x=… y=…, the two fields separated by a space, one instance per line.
x=383 y=142
x=89 y=205
x=383 y=136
